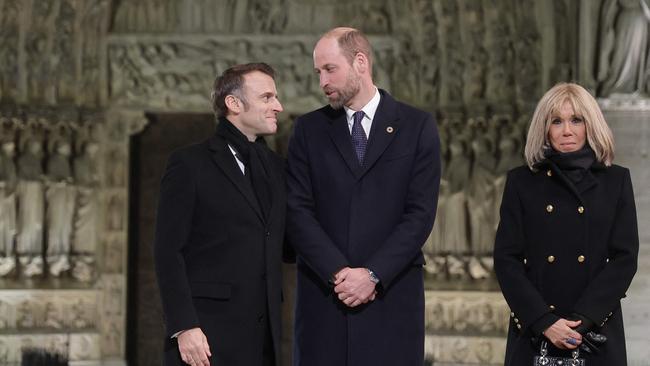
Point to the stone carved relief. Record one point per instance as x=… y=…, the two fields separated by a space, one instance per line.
x=476 y=153
x=58 y=59
x=84 y=347
x=42 y=196
x=464 y=350
x=48 y=309
x=453 y=312
x=177 y=75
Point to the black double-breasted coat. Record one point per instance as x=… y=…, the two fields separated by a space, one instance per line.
x=218 y=260
x=562 y=248
x=376 y=216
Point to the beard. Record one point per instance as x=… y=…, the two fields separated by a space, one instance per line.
x=347 y=92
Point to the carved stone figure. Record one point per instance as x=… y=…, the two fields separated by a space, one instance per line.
x=480 y=207
x=52 y=316
x=60 y=208
x=623 y=65
x=433 y=247
x=455 y=230
x=8 y=226
x=25 y=315
x=29 y=242
x=87 y=211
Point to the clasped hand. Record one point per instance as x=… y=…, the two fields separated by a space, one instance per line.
x=354 y=287
x=563 y=335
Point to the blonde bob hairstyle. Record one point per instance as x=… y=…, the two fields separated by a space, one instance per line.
x=599 y=136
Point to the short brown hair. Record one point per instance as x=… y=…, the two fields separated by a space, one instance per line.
x=231 y=82
x=599 y=135
x=351 y=41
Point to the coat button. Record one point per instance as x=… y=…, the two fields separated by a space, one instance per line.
x=260 y=318
x=610 y=314
x=550 y=259
x=512 y=314
x=581 y=209
x=552 y=307
x=549 y=173
x=581 y=258
x=549 y=208
x=525 y=261
x=268 y=233
x=516 y=320
x=518 y=326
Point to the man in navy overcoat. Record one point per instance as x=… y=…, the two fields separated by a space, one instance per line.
x=363 y=176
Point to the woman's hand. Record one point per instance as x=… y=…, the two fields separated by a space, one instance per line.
x=562 y=334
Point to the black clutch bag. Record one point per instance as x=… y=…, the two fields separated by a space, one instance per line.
x=545 y=360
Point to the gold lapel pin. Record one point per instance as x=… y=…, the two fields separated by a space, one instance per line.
x=389 y=129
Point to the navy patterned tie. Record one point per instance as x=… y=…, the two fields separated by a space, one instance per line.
x=359 y=139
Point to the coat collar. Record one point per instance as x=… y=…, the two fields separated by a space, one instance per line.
x=223 y=158
x=588 y=182
x=385 y=126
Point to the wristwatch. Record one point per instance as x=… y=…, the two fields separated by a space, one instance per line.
x=373 y=276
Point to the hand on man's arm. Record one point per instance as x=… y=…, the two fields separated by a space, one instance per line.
x=354 y=286
x=193 y=347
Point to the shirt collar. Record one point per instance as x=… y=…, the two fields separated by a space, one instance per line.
x=369 y=109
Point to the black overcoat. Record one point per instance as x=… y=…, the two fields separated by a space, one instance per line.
x=376 y=216
x=562 y=248
x=218 y=260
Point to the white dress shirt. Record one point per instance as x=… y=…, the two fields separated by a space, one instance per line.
x=369 y=111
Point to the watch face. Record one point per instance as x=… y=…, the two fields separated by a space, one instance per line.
x=373 y=277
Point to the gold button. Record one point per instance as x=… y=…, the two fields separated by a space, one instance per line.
x=516 y=320
x=549 y=208
x=512 y=315
x=610 y=314
x=607 y=260
x=581 y=258
x=550 y=259
x=549 y=173
x=525 y=260
x=581 y=209
x=518 y=326
x=552 y=307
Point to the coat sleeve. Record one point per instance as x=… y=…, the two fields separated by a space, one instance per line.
x=525 y=301
x=399 y=250
x=604 y=292
x=173 y=225
x=305 y=234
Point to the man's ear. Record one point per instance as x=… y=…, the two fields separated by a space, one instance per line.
x=360 y=62
x=233 y=104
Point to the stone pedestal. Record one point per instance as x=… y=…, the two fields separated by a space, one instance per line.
x=465 y=327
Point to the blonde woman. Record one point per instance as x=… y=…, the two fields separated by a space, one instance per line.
x=567 y=243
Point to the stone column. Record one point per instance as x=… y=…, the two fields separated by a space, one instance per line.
x=629 y=119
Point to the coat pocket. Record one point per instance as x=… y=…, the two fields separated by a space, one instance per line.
x=211 y=290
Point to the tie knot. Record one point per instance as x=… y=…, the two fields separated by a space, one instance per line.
x=358 y=116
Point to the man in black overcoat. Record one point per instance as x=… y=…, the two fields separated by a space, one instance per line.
x=220 y=229
x=363 y=176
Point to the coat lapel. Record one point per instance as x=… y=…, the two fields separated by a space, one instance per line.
x=340 y=134
x=223 y=158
